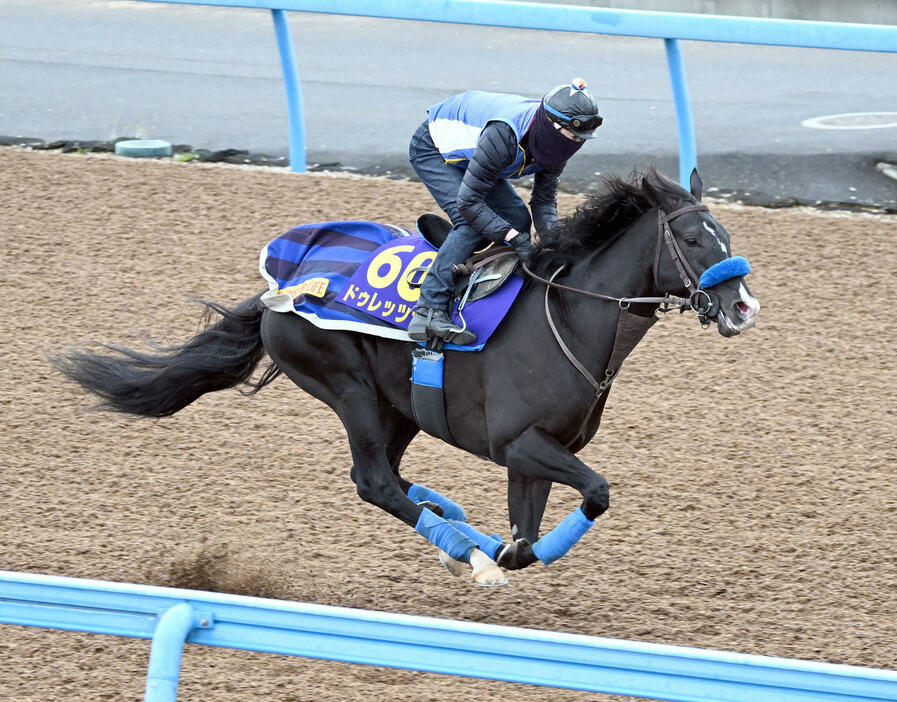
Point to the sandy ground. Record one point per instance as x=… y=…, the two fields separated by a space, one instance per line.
x=753 y=483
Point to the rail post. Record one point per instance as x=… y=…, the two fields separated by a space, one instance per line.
x=165 y=653
x=294 y=91
x=688 y=150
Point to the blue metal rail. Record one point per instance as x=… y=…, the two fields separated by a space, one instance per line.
x=170 y=617
x=669 y=26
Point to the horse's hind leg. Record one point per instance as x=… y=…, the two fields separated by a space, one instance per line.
x=378 y=484
x=334 y=368
x=399 y=432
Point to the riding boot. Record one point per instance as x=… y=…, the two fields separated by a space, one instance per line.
x=427 y=322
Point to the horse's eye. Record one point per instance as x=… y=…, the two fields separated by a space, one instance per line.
x=691 y=241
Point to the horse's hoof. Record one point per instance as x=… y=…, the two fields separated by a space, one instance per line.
x=490 y=576
x=456 y=568
x=517 y=555
x=486 y=571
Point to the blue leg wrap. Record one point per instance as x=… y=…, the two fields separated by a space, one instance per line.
x=487 y=544
x=419 y=493
x=444 y=535
x=559 y=540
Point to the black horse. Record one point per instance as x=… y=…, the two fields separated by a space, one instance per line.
x=636 y=248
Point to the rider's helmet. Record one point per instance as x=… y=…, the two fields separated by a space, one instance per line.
x=572 y=107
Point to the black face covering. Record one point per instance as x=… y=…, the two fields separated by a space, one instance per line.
x=547 y=146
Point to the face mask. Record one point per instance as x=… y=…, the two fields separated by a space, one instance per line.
x=547 y=146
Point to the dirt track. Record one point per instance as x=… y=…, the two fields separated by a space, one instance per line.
x=753 y=479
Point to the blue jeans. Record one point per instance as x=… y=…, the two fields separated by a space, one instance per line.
x=443 y=181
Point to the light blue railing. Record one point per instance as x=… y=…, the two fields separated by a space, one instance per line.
x=669 y=26
x=170 y=617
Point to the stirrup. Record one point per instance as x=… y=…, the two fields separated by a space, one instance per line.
x=453 y=334
x=420 y=313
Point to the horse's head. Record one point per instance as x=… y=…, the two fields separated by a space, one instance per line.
x=693 y=257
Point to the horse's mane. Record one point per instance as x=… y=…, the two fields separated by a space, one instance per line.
x=607 y=213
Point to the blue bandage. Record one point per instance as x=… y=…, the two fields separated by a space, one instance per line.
x=487 y=544
x=559 y=540
x=426 y=368
x=443 y=535
x=450 y=510
x=727 y=268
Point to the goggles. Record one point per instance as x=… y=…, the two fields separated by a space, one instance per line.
x=581 y=123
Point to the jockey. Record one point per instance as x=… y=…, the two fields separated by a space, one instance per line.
x=465 y=152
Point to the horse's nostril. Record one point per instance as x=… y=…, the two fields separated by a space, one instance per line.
x=744 y=308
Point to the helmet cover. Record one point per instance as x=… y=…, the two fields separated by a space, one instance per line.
x=572 y=107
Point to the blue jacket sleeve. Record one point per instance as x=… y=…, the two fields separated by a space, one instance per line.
x=496 y=150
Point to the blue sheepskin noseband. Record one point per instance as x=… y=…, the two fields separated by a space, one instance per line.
x=732 y=267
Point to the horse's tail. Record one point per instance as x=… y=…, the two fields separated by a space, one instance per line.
x=223 y=355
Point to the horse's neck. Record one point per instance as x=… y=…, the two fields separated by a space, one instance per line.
x=623 y=269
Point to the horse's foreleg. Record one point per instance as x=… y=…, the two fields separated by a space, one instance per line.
x=540 y=456
x=527 y=498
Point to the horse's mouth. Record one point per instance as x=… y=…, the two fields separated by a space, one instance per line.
x=742 y=317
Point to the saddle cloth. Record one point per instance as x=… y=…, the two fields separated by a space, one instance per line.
x=354 y=276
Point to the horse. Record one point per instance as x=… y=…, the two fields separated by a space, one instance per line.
x=528 y=401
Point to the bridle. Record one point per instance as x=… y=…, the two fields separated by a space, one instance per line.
x=706 y=308
x=628 y=332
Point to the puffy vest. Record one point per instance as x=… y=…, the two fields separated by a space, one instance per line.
x=456 y=122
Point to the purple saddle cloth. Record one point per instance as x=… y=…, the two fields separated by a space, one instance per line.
x=354 y=276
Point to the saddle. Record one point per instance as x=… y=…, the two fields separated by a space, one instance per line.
x=483 y=273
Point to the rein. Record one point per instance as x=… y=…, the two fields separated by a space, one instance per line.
x=630 y=330
x=624 y=302
x=664 y=236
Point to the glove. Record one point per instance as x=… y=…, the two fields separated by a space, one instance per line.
x=524 y=247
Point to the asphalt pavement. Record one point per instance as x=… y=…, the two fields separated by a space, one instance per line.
x=210 y=77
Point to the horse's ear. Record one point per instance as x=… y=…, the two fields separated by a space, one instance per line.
x=695 y=184
x=655 y=193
